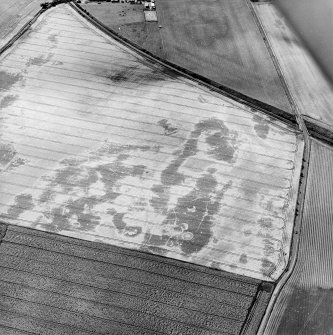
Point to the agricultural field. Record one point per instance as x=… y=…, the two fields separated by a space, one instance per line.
x=309 y=87
x=220 y=40
x=68 y=286
x=101 y=144
x=128 y=20
x=14 y=14
x=305 y=303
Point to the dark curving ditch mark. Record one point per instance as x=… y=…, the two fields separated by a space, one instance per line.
x=169 y=129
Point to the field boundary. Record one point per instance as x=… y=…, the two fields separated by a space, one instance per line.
x=316 y=130
x=22 y=31
x=267 y=109
x=273 y=56
x=308 y=129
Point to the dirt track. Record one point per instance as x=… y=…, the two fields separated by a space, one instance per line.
x=14 y=14
x=310 y=89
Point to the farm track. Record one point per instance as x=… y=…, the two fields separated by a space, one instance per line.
x=20 y=32
x=304 y=305
x=307 y=88
x=305 y=275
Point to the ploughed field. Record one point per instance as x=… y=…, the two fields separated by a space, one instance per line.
x=51 y=284
x=101 y=144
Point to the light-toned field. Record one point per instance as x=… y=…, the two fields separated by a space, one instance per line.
x=99 y=144
x=311 y=91
x=14 y=14
x=220 y=40
x=128 y=21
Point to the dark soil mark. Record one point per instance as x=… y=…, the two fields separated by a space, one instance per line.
x=23 y=202
x=222 y=142
x=7 y=100
x=160 y=202
x=7 y=80
x=261 y=126
x=80 y=209
x=265 y=222
x=167 y=71
x=243 y=259
x=76 y=175
x=17 y=162
x=202 y=99
x=138 y=170
x=112 y=149
x=267 y=267
x=53 y=38
x=7 y=153
x=223 y=147
x=71 y=177
x=133 y=74
x=168 y=128
x=113 y=172
x=118 y=221
x=46 y=196
x=38 y=61
x=269 y=247
x=192 y=218
x=207 y=33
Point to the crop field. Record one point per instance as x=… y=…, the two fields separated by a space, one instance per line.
x=305 y=303
x=14 y=14
x=311 y=91
x=220 y=40
x=77 y=287
x=128 y=20
x=100 y=144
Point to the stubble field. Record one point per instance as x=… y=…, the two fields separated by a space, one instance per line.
x=14 y=14
x=220 y=40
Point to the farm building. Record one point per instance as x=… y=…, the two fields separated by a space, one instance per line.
x=164 y=177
